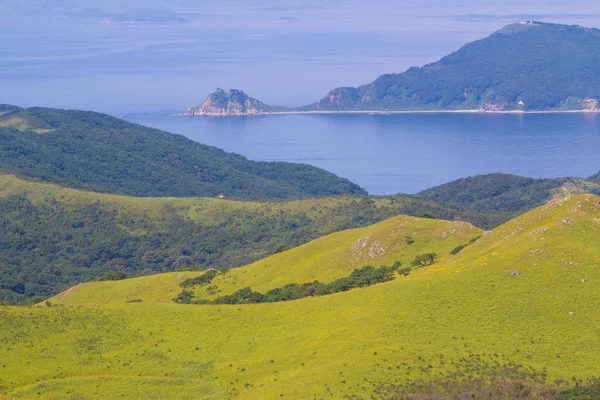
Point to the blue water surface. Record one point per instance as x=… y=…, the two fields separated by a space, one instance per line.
x=406 y=153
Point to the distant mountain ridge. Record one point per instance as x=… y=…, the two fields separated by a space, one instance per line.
x=524 y=67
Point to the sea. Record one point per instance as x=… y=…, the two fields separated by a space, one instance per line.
x=405 y=153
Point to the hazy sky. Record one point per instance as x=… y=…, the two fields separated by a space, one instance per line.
x=58 y=53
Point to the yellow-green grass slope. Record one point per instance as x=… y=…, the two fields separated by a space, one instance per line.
x=325 y=259
x=527 y=292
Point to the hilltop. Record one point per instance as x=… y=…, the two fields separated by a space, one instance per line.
x=505 y=192
x=530 y=66
x=524 y=67
x=511 y=313
x=94 y=151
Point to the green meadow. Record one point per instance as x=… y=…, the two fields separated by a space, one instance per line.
x=525 y=295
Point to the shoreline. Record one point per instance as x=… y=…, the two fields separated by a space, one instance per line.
x=390 y=112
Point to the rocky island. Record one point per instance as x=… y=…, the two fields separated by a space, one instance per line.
x=524 y=67
x=231 y=103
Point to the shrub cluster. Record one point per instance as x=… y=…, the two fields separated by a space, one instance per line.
x=203 y=279
x=114 y=276
x=460 y=248
x=424 y=260
x=361 y=277
x=588 y=391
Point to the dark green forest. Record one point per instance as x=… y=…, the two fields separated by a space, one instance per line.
x=504 y=192
x=93 y=151
x=494 y=192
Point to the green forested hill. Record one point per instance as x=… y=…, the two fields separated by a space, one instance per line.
x=530 y=66
x=97 y=152
x=504 y=192
x=54 y=237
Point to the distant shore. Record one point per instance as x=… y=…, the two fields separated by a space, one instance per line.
x=390 y=112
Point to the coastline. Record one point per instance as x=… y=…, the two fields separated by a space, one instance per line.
x=389 y=112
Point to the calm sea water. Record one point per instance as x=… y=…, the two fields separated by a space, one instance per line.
x=389 y=154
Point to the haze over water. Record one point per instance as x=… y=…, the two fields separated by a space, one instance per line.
x=56 y=53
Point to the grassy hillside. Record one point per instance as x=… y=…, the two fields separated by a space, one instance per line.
x=532 y=66
x=55 y=237
x=507 y=193
x=98 y=152
x=524 y=294
x=323 y=259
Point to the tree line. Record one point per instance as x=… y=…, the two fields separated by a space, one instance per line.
x=360 y=277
